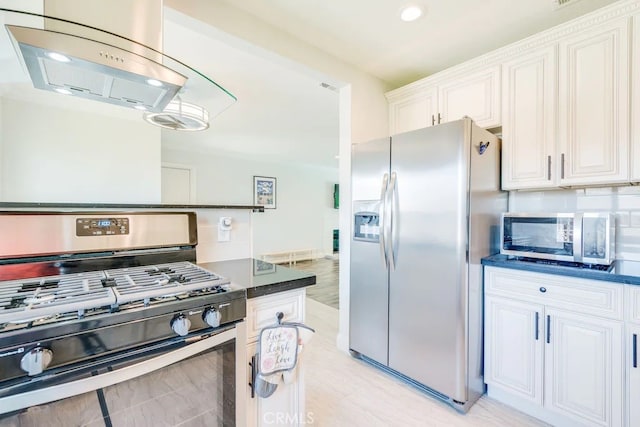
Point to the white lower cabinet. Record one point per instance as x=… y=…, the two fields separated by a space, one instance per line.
x=633 y=368
x=513 y=347
x=562 y=366
x=285 y=407
x=584 y=367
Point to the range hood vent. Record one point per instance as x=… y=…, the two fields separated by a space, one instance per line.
x=94 y=70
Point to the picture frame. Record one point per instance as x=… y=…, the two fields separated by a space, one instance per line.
x=264 y=191
x=262 y=267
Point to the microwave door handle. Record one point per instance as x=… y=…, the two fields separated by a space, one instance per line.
x=383 y=220
x=85 y=385
x=577 y=237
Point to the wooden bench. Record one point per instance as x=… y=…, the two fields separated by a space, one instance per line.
x=291 y=257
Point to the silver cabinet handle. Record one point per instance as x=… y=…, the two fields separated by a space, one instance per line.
x=548 y=329
x=635 y=350
x=439 y=118
x=383 y=220
x=548 y=168
x=562 y=166
x=433 y=120
x=537 y=325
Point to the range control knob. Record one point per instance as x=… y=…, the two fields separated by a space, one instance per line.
x=36 y=360
x=180 y=325
x=212 y=317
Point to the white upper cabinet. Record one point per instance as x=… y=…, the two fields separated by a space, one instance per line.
x=593 y=105
x=529 y=102
x=568 y=101
x=635 y=100
x=414 y=112
x=476 y=95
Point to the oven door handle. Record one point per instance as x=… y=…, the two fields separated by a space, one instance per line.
x=84 y=385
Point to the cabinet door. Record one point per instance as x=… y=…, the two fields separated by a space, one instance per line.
x=633 y=363
x=284 y=407
x=584 y=367
x=635 y=100
x=513 y=347
x=476 y=95
x=414 y=112
x=528 y=121
x=593 y=94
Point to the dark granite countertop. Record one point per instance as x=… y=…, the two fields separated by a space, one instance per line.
x=623 y=271
x=259 y=277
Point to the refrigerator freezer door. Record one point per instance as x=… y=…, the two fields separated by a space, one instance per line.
x=426 y=310
x=369 y=291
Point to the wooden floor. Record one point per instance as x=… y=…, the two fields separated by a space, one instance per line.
x=343 y=391
x=326 y=288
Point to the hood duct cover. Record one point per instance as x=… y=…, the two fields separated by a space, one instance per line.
x=95 y=70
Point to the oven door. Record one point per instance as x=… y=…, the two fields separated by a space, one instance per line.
x=188 y=381
x=544 y=236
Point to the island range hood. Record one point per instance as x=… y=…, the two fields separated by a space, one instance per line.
x=110 y=51
x=89 y=69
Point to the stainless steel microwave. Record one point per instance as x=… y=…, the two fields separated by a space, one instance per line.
x=586 y=237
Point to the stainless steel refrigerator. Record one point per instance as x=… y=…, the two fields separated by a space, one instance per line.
x=426 y=208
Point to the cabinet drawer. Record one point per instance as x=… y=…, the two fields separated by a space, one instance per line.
x=581 y=295
x=262 y=311
x=633 y=298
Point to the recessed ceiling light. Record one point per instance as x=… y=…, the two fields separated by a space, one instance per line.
x=58 y=57
x=410 y=13
x=63 y=91
x=154 y=82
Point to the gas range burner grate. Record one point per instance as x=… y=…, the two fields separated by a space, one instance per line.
x=32 y=301
x=22 y=301
x=152 y=282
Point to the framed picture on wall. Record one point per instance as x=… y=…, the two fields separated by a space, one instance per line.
x=264 y=191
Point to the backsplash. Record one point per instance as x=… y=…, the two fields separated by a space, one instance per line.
x=624 y=202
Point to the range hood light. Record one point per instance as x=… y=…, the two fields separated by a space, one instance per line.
x=154 y=82
x=140 y=107
x=63 y=91
x=58 y=57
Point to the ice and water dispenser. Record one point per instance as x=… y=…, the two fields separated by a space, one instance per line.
x=366 y=217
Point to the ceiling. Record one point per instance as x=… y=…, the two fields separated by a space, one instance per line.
x=369 y=34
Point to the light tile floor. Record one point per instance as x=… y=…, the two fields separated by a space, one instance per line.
x=343 y=391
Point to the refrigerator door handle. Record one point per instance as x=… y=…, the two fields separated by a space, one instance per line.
x=393 y=223
x=383 y=220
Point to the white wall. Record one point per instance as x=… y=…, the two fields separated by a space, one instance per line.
x=363 y=107
x=239 y=245
x=57 y=155
x=304 y=217
x=623 y=201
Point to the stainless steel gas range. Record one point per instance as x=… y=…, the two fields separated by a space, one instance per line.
x=95 y=305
